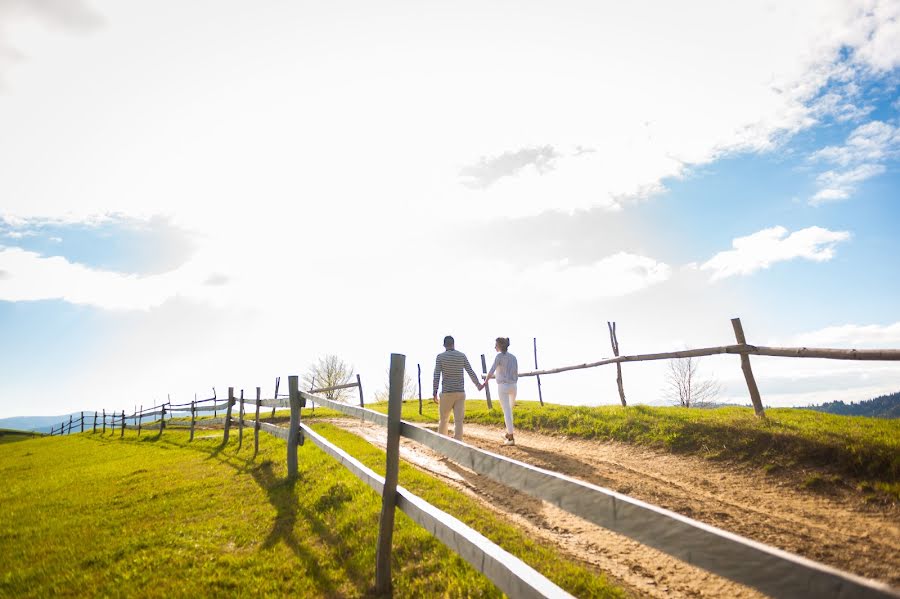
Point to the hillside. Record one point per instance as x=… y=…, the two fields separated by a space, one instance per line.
x=171 y=518
x=40 y=424
x=884 y=406
x=856 y=450
x=11 y=436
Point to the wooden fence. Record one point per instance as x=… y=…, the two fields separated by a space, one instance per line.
x=509 y=573
x=741 y=348
x=768 y=569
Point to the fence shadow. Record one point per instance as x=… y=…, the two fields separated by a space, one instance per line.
x=282 y=493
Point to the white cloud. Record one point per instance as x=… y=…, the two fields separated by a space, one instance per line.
x=852 y=336
x=875 y=141
x=861 y=157
x=30 y=277
x=356 y=119
x=838 y=185
x=614 y=276
x=769 y=246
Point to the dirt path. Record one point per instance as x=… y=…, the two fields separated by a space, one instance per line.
x=835 y=530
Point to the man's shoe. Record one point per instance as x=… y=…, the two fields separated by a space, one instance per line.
x=510 y=440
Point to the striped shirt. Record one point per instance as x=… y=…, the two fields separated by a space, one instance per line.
x=450 y=364
x=505 y=369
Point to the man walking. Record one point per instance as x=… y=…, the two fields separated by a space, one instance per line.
x=450 y=365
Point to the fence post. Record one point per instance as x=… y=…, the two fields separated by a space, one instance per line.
x=122 y=432
x=359 y=386
x=277 y=384
x=294 y=430
x=70 y=424
x=228 y=414
x=391 y=474
x=241 y=421
x=614 y=340
x=140 y=418
x=538 y=377
x=162 y=419
x=419 y=368
x=103 y=432
x=193 y=418
x=748 y=372
x=95 y=422
x=487 y=389
x=256 y=421
x=82 y=422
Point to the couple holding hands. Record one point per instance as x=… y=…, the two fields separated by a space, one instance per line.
x=449 y=367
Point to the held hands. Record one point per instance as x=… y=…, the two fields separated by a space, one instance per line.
x=435 y=399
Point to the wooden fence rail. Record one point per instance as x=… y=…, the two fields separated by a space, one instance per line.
x=741 y=348
x=758 y=350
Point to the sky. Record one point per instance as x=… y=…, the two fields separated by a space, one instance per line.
x=201 y=194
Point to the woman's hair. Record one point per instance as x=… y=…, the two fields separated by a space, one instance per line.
x=503 y=343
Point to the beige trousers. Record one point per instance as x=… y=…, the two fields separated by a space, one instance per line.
x=455 y=402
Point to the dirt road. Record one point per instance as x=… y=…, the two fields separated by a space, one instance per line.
x=837 y=530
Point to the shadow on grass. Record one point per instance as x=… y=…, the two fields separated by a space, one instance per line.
x=282 y=494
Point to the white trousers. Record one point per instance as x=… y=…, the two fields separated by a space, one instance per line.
x=507 y=395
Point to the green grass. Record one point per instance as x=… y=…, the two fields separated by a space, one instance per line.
x=786 y=440
x=11 y=436
x=97 y=515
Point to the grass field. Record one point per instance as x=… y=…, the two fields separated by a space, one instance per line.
x=11 y=436
x=866 y=450
x=159 y=516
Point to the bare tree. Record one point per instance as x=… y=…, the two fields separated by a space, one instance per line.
x=330 y=371
x=684 y=387
x=410 y=387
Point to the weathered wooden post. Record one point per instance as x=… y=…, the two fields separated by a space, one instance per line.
x=294 y=430
x=103 y=432
x=419 y=368
x=228 y=415
x=95 y=422
x=748 y=372
x=391 y=474
x=140 y=419
x=82 y=422
x=256 y=422
x=538 y=377
x=122 y=432
x=277 y=384
x=193 y=417
x=70 y=424
x=359 y=386
x=614 y=340
x=241 y=421
x=487 y=388
x=162 y=419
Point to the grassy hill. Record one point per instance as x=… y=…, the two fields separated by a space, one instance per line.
x=11 y=436
x=884 y=406
x=860 y=451
x=89 y=514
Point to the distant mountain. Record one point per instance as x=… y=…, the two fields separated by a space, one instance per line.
x=39 y=424
x=885 y=406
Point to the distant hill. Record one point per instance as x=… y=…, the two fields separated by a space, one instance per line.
x=39 y=424
x=885 y=406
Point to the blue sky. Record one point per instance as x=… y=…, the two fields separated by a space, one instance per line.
x=275 y=184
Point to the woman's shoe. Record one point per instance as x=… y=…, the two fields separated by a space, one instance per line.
x=510 y=440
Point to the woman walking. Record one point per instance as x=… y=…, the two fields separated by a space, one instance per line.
x=506 y=371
